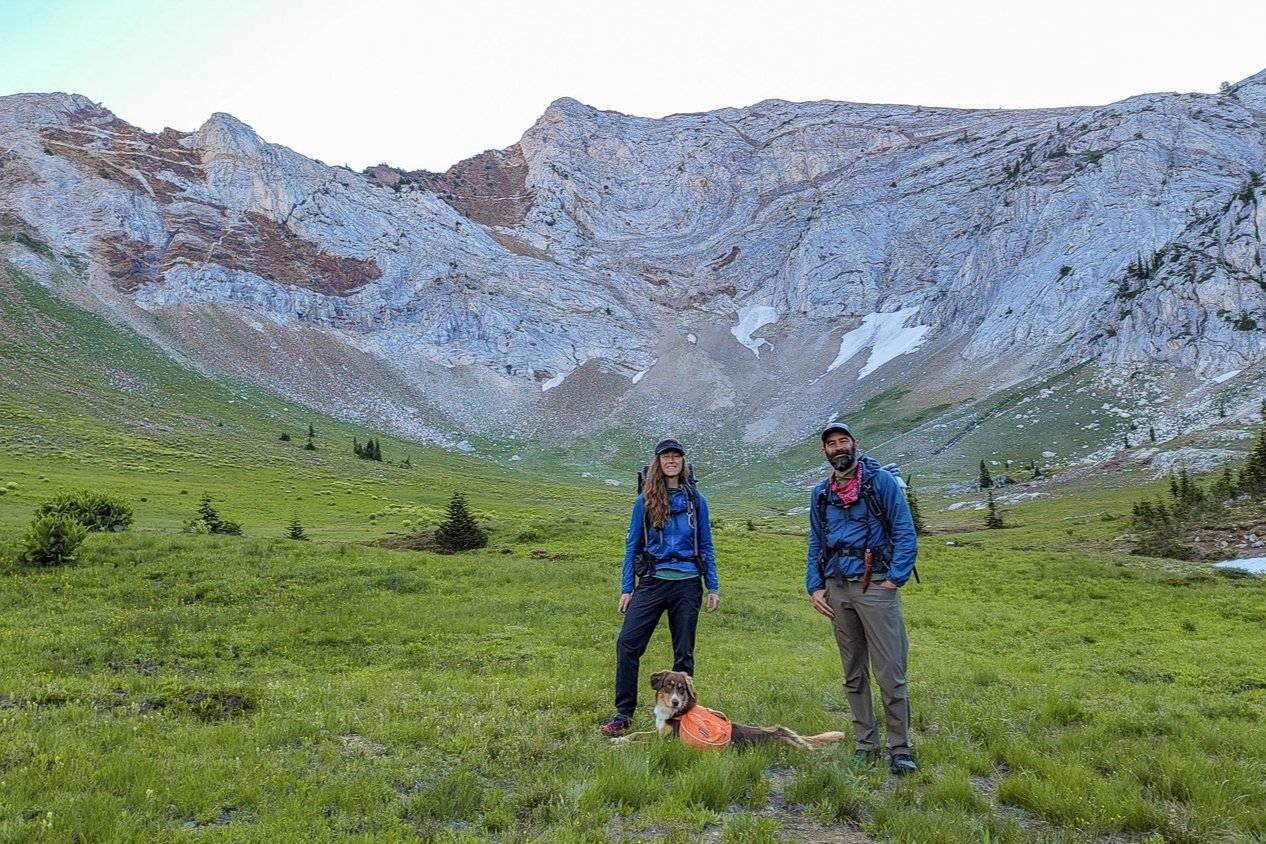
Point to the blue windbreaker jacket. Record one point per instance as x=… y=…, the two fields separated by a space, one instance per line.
x=855 y=527
x=674 y=546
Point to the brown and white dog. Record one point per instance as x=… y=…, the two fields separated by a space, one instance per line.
x=678 y=713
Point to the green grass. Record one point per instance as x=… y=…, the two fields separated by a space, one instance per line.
x=258 y=688
x=172 y=687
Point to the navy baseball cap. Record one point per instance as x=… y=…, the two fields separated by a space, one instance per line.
x=838 y=426
x=669 y=445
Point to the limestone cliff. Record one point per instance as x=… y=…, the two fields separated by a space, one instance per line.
x=746 y=271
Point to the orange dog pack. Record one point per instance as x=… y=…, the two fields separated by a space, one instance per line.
x=703 y=727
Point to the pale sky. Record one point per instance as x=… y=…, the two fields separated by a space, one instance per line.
x=426 y=84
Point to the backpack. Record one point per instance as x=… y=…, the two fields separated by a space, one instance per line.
x=873 y=504
x=700 y=727
x=642 y=563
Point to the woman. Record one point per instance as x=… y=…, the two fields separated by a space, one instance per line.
x=669 y=548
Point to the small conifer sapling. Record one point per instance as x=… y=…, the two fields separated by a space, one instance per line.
x=459 y=531
x=993 y=519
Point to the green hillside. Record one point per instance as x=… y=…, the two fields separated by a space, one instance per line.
x=173 y=687
x=88 y=403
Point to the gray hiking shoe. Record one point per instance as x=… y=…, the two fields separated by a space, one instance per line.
x=902 y=764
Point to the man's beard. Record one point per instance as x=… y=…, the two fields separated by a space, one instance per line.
x=843 y=461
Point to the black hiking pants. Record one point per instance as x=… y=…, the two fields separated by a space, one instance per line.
x=653 y=597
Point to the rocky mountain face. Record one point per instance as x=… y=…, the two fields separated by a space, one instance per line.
x=736 y=276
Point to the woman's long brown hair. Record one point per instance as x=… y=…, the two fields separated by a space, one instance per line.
x=655 y=495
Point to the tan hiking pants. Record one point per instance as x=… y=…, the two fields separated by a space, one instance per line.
x=871 y=634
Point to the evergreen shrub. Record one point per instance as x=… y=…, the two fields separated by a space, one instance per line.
x=916 y=511
x=296 y=530
x=210 y=521
x=993 y=518
x=458 y=531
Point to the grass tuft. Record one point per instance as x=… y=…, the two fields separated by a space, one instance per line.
x=834 y=790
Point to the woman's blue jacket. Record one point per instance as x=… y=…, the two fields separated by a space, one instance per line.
x=672 y=548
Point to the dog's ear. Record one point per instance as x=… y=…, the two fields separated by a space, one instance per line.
x=690 y=688
x=657 y=679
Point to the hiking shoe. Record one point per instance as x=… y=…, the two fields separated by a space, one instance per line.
x=617 y=726
x=861 y=756
x=902 y=764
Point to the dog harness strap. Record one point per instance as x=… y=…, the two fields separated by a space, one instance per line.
x=703 y=727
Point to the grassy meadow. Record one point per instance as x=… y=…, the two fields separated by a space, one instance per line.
x=172 y=687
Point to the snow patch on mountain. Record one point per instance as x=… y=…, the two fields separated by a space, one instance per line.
x=751 y=319
x=886 y=335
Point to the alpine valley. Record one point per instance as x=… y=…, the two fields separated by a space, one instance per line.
x=1076 y=287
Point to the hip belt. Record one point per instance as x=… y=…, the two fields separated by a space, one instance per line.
x=867 y=556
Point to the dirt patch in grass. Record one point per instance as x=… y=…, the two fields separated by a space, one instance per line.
x=423 y=540
x=144 y=667
x=796 y=827
x=560 y=556
x=354 y=744
x=205 y=704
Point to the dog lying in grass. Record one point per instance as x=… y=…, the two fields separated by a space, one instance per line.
x=678 y=713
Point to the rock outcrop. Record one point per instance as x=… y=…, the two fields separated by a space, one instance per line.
x=745 y=271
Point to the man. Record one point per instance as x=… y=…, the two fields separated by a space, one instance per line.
x=862 y=550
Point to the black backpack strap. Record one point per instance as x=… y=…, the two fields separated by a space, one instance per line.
x=820 y=504
x=692 y=515
x=876 y=506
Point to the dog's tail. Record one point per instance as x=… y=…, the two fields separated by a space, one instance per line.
x=822 y=739
x=793 y=738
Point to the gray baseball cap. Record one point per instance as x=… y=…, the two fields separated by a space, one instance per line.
x=838 y=426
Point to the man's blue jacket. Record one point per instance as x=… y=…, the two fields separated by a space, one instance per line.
x=856 y=528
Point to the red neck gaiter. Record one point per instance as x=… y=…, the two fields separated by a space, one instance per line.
x=847 y=492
